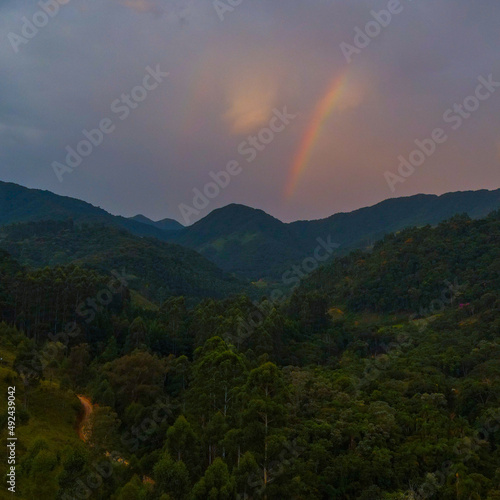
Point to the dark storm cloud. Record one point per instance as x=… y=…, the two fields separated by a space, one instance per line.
x=224 y=80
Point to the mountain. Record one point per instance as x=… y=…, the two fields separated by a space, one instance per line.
x=156 y=269
x=250 y=242
x=364 y=226
x=418 y=269
x=377 y=379
x=243 y=240
x=164 y=224
x=21 y=204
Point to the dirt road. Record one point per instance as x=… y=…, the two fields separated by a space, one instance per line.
x=84 y=431
x=83 y=427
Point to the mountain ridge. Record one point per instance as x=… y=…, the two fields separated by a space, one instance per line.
x=249 y=242
x=22 y=204
x=158 y=269
x=163 y=224
x=260 y=246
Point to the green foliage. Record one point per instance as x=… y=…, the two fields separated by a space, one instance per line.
x=181 y=439
x=138 y=376
x=216 y=484
x=157 y=270
x=417 y=270
x=251 y=243
x=172 y=477
x=353 y=388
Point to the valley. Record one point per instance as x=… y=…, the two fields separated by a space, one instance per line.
x=374 y=367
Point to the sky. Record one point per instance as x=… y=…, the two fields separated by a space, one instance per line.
x=307 y=107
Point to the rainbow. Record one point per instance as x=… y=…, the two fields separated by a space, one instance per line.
x=323 y=109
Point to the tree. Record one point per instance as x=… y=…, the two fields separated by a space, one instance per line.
x=216 y=484
x=247 y=475
x=133 y=490
x=217 y=372
x=265 y=395
x=78 y=364
x=138 y=331
x=75 y=466
x=104 y=425
x=181 y=438
x=42 y=480
x=138 y=376
x=171 y=477
x=28 y=364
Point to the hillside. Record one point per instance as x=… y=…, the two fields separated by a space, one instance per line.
x=244 y=240
x=46 y=416
x=157 y=269
x=372 y=382
x=248 y=242
x=252 y=243
x=363 y=227
x=415 y=270
x=164 y=224
x=20 y=204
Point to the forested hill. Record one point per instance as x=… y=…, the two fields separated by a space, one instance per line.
x=250 y=242
x=378 y=380
x=156 y=269
x=20 y=204
x=361 y=228
x=164 y=224
x=410 y=270
x=244 y=240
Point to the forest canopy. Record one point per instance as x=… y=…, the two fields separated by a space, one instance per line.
x=378 y=378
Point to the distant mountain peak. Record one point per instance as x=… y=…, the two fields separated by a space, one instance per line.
x=249 y=242
x=21 y=204
x=142 y=218
x=164 y=224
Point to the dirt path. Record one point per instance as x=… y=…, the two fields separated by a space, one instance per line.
x=83 y=427
x=84 y=431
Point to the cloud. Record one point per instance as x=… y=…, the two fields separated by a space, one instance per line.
x=141 y=5
x=250 y=104
x=225 y=78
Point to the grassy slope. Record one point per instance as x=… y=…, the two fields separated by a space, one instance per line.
x=53 y=417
